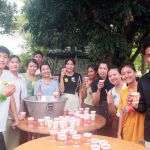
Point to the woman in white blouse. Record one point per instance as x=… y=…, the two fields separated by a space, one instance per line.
x=19 y=94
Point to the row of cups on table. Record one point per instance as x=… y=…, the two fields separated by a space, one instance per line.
x=97 y=144
x=71 y=120
x=71 y=137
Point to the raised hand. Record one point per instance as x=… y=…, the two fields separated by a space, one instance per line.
x=9 y=90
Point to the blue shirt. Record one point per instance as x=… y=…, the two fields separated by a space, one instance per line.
x=46 y=89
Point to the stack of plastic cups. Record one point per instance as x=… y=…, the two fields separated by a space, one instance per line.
x=95 y=145
x=62 y=137
x=76 y=139
x=30 y=122
x=22 y=115
x=87 y=118
x=93 y=115
x=46 y=120
x=41 y=123
x=87 y=137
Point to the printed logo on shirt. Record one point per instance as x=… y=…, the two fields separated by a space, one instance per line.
x=66 y=80
x=73 y=79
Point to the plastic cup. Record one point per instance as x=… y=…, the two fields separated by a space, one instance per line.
x=30 y=121
x=76 y=139
x=135 y=97
x=106 y=147
x=46 y=119
x=22 y=115
x=87 y=137
x=101 y=81
x=41 y=122
x=86 y=110
x=53 y=134
x=72 y=123
x=87 y=119
x=50 y=124
x=62 y=138
x=56 y=94
x=95 y=145
x=93 y=115
x=55 y=125
x=81 y=110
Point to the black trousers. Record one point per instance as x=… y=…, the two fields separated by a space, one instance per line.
x=2 y=142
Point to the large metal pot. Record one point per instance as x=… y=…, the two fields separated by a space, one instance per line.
x=40 y=106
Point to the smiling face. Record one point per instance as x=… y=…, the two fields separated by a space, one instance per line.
x=3 y=60
x=46 y=71
x=14 y=64
x=32 y=67
x=103 y=70
x=114 y=76
x=91 y=73
x=128 y=74
x=70 y=66
x=39 y=58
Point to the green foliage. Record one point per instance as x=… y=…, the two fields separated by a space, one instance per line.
x=24 y=59
x=109 y=28
x=6 y=16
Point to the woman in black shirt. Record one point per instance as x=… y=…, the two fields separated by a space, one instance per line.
x=70 y=83
x=100 y=87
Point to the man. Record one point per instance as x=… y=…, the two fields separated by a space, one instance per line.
x=6 y=89
x=39 y=57
x=144 y=102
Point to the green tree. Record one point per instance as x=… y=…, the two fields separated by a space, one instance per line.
x=7 y=11
x=110 y=29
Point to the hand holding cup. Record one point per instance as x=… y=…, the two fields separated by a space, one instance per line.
x=101 y=84
x=86 y=81
x=63 y=72
x=135 y=99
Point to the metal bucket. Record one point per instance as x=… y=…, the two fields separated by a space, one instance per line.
x=40 y=106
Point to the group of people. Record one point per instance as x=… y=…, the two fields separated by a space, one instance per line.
x=115 y=93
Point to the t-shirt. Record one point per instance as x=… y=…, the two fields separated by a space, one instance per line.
x=103 y=94
x=46 y=89
x=72 y=83
x=6 y=76
x=29 y=84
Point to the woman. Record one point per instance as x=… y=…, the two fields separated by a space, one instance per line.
x=30 y=77
x=86 y=92
x=113 y=97
x=99 y=90
x=70 y=83
x=19 y=94
x=131 y=123
x=46 y=86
